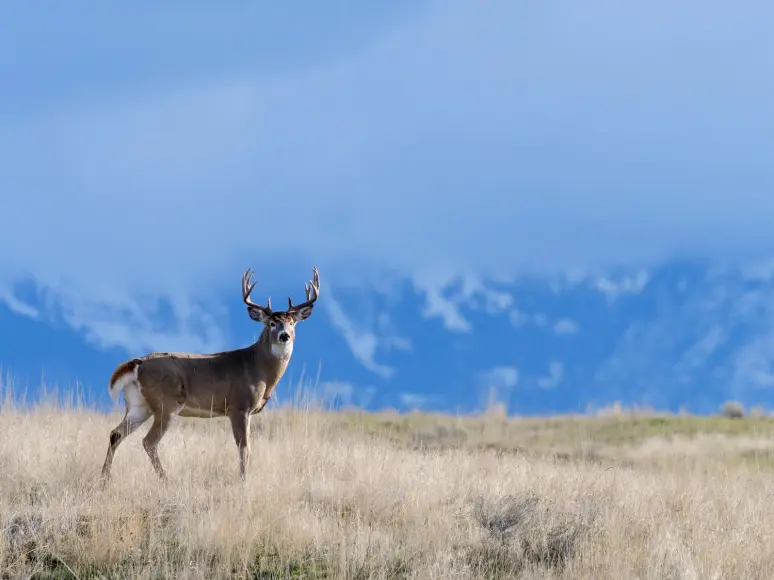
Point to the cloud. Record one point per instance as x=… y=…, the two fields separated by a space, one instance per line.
x=454 y=142
x=437 y=305
x=563 y=326
x=445 y=294
x=698 y=354
x=18 y=306
x=566 y=326
x=414 y=401
x=540 y=320
x=752 y=366
x=347 y=393
x=496 y=384
x=108 y=323
x=554 y=377
x=500 y=376
x=612 y=289
x=519 y=318
x=494 y=301
x=363 y=343
x=761 y=270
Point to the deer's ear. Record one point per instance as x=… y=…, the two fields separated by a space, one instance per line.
x=302 y=313
x=257 y=314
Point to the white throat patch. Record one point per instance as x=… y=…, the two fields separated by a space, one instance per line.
x=282 y=350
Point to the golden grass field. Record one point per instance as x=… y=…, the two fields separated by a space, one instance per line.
x=355 y=495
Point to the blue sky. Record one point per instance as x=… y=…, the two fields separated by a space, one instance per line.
x=440 y=162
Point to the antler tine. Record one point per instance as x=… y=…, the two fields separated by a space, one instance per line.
x=247 y=288
x=313 y=284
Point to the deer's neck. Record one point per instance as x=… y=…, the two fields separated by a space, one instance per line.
x=272 y=359
x=283 y=351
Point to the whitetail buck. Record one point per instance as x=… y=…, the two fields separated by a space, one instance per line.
x=235 y=383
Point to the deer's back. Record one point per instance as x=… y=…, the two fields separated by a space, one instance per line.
x=195 y=381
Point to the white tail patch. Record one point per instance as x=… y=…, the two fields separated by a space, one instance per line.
x=136 y=406
x=122 y=382
x=137 y=410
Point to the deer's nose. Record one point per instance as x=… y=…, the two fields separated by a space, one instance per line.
x=284 y=337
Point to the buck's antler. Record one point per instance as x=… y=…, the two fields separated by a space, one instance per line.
x=313 y=284
x=247 y=288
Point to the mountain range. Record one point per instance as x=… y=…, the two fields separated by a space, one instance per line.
x=686 y=335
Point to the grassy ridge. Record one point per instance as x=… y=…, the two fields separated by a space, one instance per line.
x=384 y=495
x=620 y=437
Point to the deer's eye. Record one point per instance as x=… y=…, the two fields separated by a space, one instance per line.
x=272 y=324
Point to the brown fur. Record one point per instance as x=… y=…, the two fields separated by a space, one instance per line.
x=235 y=384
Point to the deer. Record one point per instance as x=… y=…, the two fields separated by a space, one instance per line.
x=235 y=383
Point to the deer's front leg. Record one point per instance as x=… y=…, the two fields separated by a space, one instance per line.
x=240 y=425
x=266 y=395
x=262 y=404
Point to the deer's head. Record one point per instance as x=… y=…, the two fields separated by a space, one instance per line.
x=280 y=326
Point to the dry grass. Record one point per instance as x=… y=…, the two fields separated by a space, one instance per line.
x=354 y=495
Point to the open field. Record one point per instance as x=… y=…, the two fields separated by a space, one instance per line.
x=354 y=495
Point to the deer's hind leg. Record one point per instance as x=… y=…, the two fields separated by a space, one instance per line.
x=165 y=401
x=161 y=422
x=137 y=412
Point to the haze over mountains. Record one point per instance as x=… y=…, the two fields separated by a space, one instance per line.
x=525 y=201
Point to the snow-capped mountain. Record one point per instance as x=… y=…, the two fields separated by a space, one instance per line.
x=680 y=336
